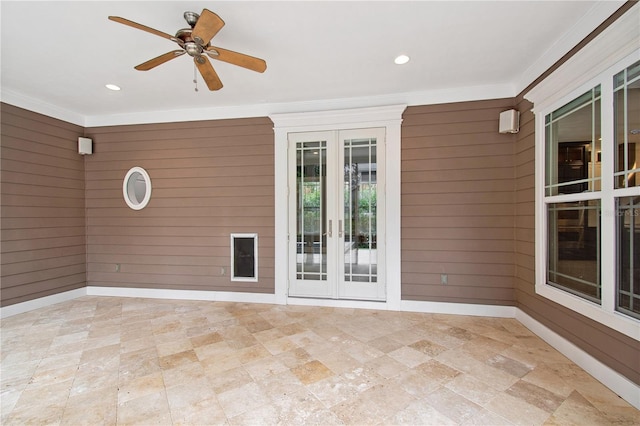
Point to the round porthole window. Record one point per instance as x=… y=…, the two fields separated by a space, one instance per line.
x=136 y=188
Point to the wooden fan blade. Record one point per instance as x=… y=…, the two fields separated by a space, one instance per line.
x=239 y=59
x=141 y=27
x=207 y=26
x=152 y=63
x=208 y=73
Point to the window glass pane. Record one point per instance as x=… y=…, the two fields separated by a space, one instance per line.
x=626 y=101
x=573 y=248
x=360 y=210
x=572 y=146
x=633 y=72
x=311 y=164
x=628 y=255
x=575 y=104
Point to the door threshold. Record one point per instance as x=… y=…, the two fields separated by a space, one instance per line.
x=338 y=303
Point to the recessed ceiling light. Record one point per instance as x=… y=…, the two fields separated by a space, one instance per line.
x=112 y=87
x=402 y=59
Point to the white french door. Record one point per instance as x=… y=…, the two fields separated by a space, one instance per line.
x=336 y=214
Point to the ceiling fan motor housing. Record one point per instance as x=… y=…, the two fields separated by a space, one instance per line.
x=192 y=47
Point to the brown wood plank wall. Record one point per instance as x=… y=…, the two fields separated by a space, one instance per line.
x=209 y=179
x=457 y=204
x=43 y=223
x=614 y=349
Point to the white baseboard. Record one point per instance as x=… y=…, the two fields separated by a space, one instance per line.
x=619 y=384
x=41 y=302
x=498 y=311
x=155 y=293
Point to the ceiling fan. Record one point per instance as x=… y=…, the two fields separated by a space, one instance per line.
x=195 y=41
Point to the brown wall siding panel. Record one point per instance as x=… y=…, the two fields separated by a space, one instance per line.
x=209 y=179
x=185 y=163
x=457 y=204
x=41 y=191
x=458 y=233
x=43 y=221
x=454 y=222
x=610 y=347
x=494 y=296
x=46 y=287
x=36 y=160
x=16 y=268
x=470 y=175
x=213 y=172
x=11 y=235
x=34 y=276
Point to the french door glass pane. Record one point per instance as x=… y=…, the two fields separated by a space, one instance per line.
x=360 y=204
x=311 y=211
x=573 y=248
x=573 y=146
x=628 y=255
x=626 y=109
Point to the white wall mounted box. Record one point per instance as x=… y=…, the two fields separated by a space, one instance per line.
x=509 y=121
x=85 y=146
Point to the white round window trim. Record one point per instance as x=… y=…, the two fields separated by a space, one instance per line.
x=136 y=188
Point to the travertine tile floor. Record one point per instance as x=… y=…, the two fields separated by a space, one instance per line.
x=104 y=360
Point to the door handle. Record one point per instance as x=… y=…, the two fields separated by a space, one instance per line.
x=330 y=231
x=340 y=229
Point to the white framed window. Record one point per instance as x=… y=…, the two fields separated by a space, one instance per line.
x=587 y=195
x=572 y=196
x=626 y=136
x=136 y=188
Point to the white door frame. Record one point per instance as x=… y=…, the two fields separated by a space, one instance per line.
x=335 y=285
x=389 y=117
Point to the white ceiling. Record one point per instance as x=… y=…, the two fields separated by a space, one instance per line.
x=57 y=56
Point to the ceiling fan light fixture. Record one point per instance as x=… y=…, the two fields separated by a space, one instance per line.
x=193 y=49
x=401 y=60
x=113 y=87
x=191 y=18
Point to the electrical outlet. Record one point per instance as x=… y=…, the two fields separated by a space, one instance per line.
x=117 y=267
x=223 y=271
x=444 y=279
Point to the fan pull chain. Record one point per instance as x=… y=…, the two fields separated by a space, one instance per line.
x=195 y=76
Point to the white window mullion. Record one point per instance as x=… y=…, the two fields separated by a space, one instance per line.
x=541 y=221
x=608 y=219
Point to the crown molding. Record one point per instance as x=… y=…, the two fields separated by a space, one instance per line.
x=36 y=105
x=617 y=42
x=599 y=13
x=440 y=96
